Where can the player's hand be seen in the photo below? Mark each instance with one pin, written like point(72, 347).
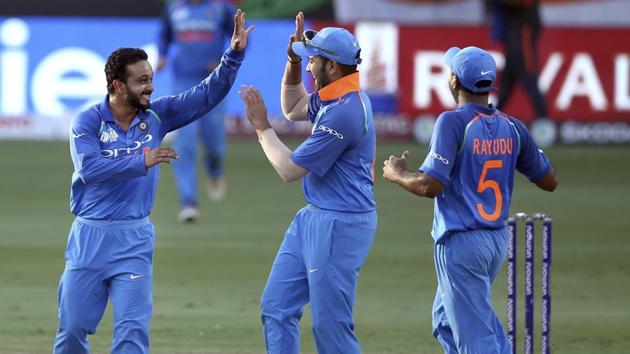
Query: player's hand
point(159, 155)
point(239, 36)
point(394, 166)
point(255, 107)
point(298, 36)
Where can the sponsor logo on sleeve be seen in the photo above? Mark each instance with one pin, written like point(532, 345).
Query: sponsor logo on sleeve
point(330, 131)
point(438, 157)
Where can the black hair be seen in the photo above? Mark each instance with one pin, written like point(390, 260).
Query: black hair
point(345, 69)
point(116, 66)
point(478, 84)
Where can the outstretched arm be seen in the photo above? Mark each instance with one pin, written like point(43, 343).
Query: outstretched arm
point(293, 96)
point(277, 153)
point(199, 100)
point(416, 182)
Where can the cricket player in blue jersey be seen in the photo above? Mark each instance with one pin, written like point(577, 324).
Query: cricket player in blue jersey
point(469, 170)
point(197, 32)
point(115, 149)
point(328, 240)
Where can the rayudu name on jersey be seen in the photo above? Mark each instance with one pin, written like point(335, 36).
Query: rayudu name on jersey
point(499, 146)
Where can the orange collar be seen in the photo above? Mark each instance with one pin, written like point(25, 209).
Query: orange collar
point(337, 89)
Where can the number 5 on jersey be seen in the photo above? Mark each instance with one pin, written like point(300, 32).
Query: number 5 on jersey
point(492, 184)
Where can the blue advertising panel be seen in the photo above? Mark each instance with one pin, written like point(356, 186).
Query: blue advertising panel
point(52, 67)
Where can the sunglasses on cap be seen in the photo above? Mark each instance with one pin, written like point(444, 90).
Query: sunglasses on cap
point(309, 34)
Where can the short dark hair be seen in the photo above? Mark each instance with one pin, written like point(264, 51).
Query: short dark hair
point(345, 69)
point(116, 66)
point(483, 83)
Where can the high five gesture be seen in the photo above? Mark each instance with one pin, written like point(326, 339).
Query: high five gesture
point(239, 37)
point(296, 37)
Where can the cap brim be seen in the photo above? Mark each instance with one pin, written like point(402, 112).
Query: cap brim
point(450, 54)
point(303, 50)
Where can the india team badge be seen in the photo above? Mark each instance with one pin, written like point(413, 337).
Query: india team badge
point(143, 126)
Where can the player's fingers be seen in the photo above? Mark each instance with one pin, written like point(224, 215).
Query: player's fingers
point(254, 97)
point(299, 25)
point(405, 154)
point(166, 151)
point(242, 19)
point(257, 95)
point(244, 93)
point(249, 29)
point(249, 94)
point(237, 17)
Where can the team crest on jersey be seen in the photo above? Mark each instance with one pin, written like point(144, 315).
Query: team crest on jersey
point(109, 136)
point(143, 126)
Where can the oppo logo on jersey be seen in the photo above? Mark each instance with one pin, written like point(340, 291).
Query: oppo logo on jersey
point(438, 157)
point(330, 131)
point(134, 149)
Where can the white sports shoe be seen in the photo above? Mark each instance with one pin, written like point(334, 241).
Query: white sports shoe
point(188, 215)
point(217, 188)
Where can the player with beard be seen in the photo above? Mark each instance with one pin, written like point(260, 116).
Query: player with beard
point(328, 240)
point(116, 152)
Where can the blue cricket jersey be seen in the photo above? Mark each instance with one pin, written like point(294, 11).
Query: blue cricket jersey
point(474, 152)
point(339, 153)
point(197, 32)
point(110, 180)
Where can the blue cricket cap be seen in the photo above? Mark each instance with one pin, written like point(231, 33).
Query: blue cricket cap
point(474, 67)
point(333, 43)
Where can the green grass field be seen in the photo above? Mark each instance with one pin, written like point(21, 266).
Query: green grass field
point(208, 276)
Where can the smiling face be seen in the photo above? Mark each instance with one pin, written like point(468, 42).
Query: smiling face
point(319, 67)
point(138, 87)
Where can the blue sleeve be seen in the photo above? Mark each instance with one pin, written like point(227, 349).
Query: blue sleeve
point(333, 133)
point(85, 151)
point(313, 107)
point(190, 105)
point(532, 161)
point(445, 143)
point(166, 33)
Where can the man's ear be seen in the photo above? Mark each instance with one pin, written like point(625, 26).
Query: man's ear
point(118, 85)
point(454, 82)
point(334, 67)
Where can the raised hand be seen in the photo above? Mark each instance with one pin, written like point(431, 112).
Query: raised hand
point(297, 36)
point(255, 107)
point(394, 166)
point(159, 155)
point(239, 36)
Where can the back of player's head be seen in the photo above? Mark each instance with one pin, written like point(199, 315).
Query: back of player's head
point(116, 66)
point(474, 67)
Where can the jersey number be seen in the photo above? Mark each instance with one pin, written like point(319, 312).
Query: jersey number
point(492, 184)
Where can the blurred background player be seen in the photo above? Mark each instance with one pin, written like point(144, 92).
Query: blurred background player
point(470, 172)
point(328, 240)
point(517, 26)
point(197, 32)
